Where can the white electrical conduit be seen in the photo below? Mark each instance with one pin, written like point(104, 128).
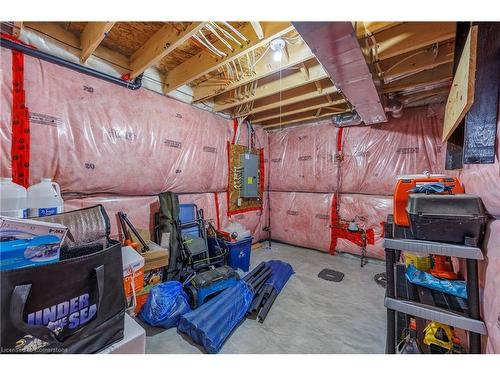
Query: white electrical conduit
point(235, 31)
point(206, 46)
point(213, 31)
point(223, 31)
point(210, 44)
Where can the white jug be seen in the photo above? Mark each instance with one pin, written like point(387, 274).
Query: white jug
point(12, 199)
point(44, 199)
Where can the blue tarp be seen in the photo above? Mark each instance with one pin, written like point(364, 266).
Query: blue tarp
point(165, 305)
point(456, 288)
point(212, 323)
point(281, 273)
point(431, 188)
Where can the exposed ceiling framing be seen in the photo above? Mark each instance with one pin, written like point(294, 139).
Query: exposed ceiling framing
point(230, 66)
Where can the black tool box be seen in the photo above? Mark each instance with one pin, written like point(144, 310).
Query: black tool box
point(457, 218)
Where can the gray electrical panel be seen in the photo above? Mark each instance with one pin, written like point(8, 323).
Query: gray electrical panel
point(250, 164)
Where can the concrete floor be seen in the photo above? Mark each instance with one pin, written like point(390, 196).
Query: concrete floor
point(310, 315)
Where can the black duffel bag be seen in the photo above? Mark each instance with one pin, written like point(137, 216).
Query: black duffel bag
point(72, 306)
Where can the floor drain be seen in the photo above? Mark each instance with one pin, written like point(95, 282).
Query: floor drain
point(331, 275)
point(380, 279)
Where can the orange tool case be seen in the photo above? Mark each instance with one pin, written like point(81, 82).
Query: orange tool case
point(401, 194)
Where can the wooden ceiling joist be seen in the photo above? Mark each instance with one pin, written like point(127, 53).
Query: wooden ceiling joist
point(416, 61)
point(302, 117)
point(410, 36)
point(297, 53)
point(204, 62)
point(92, 36)
point(163, 42)
point(317, 103)
point(366, 29)
point(287, 99)
point(415, 97)
point(225, 101)
point(71, 42)
point(439, 74)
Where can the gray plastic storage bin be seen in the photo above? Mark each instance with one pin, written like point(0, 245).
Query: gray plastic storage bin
point(447, 218)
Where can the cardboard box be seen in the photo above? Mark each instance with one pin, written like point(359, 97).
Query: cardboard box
point(155, 261)
point(27, 243)
point(133, 271)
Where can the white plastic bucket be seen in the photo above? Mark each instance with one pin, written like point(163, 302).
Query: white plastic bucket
point(44, 199)
point(12, 199)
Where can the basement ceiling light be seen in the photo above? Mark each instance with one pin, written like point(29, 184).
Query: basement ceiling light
point(277, 45)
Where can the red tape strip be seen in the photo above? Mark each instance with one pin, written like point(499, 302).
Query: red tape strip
point(20, 147)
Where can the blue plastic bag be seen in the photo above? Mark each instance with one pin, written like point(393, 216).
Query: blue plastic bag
point(456, 288)
point(212, 323)
point(165, 305)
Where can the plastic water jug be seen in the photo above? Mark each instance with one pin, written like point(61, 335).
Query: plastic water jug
point(13, 199)
point(44, 199)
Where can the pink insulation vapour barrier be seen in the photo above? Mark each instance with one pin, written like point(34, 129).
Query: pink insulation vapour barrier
point(304, 219)
point(374, 156)
point(5, 113)
point(301, 219)
point(255, 221)
point(303, 159)
point(91, 136)
point(369, 212)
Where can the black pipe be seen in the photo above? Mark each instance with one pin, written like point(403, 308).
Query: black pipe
point(261, 316)
point(132, 85)
point(390, 343)
point(473, 300)
point(261, 279)
point(257, 269)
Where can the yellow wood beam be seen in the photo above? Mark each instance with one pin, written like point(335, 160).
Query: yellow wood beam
point(320, 102)
point(17, 29)
point(72, 43)
point(204, 62)
point(462, 90)
point(364, 29)
point(428, 77)
point(163, 42)
point(306, 95)
point(298, 54)
point(303, 117)
point(225, 101)
point(411, 36)
point(91, 36)
point(408, 99)
point(416, 61)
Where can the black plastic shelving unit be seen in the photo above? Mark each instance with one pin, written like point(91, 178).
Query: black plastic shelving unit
point(471, 321)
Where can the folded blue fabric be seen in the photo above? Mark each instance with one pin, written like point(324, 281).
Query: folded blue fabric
point(431, 188)
point(456, 288)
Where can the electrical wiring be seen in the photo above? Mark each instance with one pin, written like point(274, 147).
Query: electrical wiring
point(218, 51)
point(240, 35)
point(213, 31)
point(223, 31)
point(197, 38)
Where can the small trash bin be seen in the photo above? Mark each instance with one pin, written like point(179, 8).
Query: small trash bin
point(239, 253)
